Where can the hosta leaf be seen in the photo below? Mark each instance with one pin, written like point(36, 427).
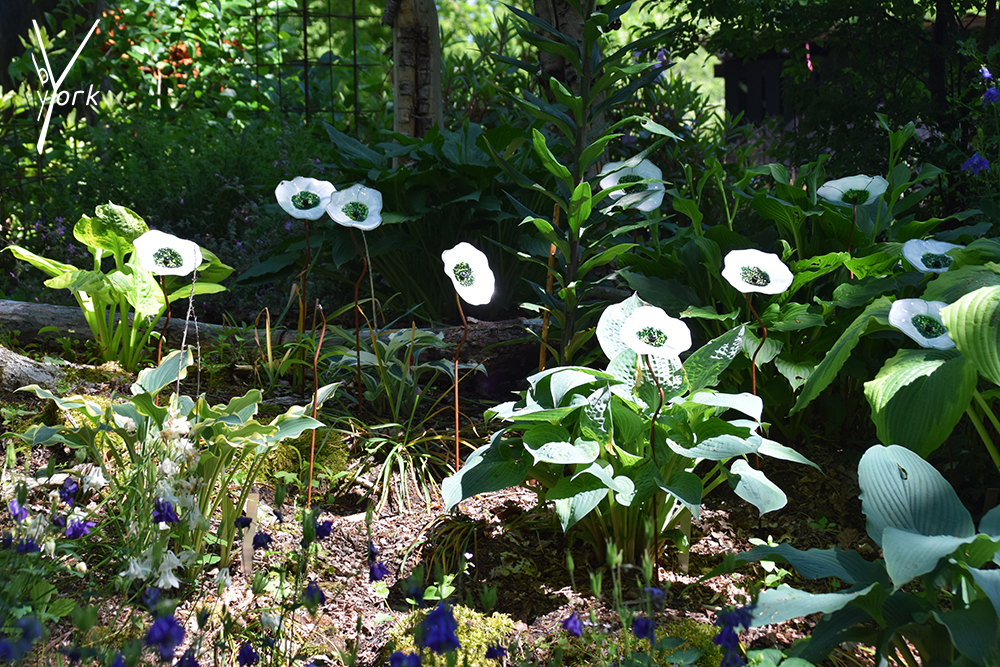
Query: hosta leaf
point(755, 488)
point(973, 322)
point(490, 468)
point(704, 366)
point(784, 603)
point(575, 498)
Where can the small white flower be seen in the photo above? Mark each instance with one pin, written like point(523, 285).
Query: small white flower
point(756, 271)
point(168, 468)
point(470, 272)
point(222, 579)
point(304, 198)
point(857, 190)
point(168, 564)
point(228, 92)
point(929, 256)
point(649, 330)
point(357, 206)
point(643, 196)
point(81, 567)
point(175, 427)
point(921, 321)
point(94, 479)
point(269, 620)
point(137, 569)
point(164, 254)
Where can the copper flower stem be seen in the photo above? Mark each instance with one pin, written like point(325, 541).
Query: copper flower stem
point(458, 350)
point(312, 446)
point(302, 300)
point(357, 320)
point(850, 235)
point(652, 445)
point(753, 359)
point(542, 355)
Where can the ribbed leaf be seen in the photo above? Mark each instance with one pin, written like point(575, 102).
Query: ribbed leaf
point(704, 366)
point(784, 603)
point(575, 498)
point(919, 396)
point(559, 451)
point(848, 566)
point(489, 468)
point(755, 488)
point(901, 490)
point(953, 285)
point(172, 367)
point(974, 631)
point(687, 488)
point(909, 555)
point(989, 581)
point(973, 322)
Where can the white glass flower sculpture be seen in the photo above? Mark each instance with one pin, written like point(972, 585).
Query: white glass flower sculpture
point(756, 271)
point(357, 206)
point(649, 330)
point(304, 198)
point(164, 254)
point(859, 190)
point(921, 321)
point(470, 272)
point(643, 196)
point(929, 256)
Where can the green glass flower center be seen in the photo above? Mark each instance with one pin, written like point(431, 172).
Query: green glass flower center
point(305, 200)
point(168, 258)
point(632, 189)
point(356, 211)
point(928, 327)
point(464, 274)
point(652, 336)
point(932, 261)
point(755, 276)
point(855, 197)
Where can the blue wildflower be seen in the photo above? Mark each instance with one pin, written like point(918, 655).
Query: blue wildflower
point(68, 491)
point(728, 640)
point(495, 651)
point(150, 598)
point(119, 661)
point(656, 596)
point(437, 631)
point(400, 659)
point(27, 546)
point(573, 625)
point(976, 164)
point(313, 595)
point(163, 512)
point(79, 529)
point(323, 529)
point(243, 522)
point(372, 552)
point(991, 95)
point(17, 512)
point(31, 628)
point(984, 73)
point(165, 635)
point(59, 521)
point(644, 628)
point(377, 571)
point(261, 540)
point(246, 655)
point(188, 660)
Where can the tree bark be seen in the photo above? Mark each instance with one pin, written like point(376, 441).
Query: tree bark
point(17, 371)
point(561, 15)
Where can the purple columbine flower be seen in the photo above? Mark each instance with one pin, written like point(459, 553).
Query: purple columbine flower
point(79, 529)
point(68, 491)
point(165, 635)
point(17, 512)
point(243, 522)
point(163, 511)
point(976, 164)
point(247, 656)
point(728, 640)
point(437, 630)
point(984, 73)
point(261, 540)
point(991, 95)
point(573, 625)
point(313, 595)
point(377, 571)
point(187, 660)
point(27, 546)
point(644, 628)
point(495, 651)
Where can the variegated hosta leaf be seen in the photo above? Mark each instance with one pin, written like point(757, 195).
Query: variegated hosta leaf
point(631, 370)
point(610, 325)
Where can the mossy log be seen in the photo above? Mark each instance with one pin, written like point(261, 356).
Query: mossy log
point(17, 371)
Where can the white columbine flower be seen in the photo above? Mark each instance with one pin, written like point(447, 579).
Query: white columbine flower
point(857, 190)
point(756, 271)
point(94, 479)
point(168, 564)
point(304, 198)
point(469, 270)
point(929, 256)
point(649, 330)
point(643, 196)
point(166, 255)
point(137, 569)
point(357, 206)
point(921, 321)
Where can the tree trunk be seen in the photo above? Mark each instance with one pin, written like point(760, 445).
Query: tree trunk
point(17, 371)
point(416, 54)
point(561, 15)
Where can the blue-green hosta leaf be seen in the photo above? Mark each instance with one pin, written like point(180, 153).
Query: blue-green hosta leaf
point(687, 488)
point(559, 451)
point(795, 372)
point(901, 490)
point(909, 555)
point(974, 631)
point(575, 497)
point(827, 369)
point(490, 468)
point(173, 367)
point(848, 566)
point(784, 603)
point(69, 403)
point(704, 366)
point(990, 523)
point(989, 581)
point(973, 322)
point(779, 451)
point(755, 488)
point(623, 487)
point(609, 325)
point(717, 448)
point(919, 397)
point(750, 405)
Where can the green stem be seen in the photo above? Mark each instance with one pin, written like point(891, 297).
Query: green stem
point(990, 447)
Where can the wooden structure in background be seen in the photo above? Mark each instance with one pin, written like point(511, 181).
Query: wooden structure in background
point(416, 54)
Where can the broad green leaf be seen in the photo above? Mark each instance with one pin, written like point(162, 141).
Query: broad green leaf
point(198, 289)
point(717, 448)
point(909, 555)
point(623, 487)
point(974, 631)
point(953, 285)
point(827, 369)
point(79, 281)
point(919, 397)
point(687, 488)
point(989, 581)
point(690, 209)
point(573, 102)
point(604, 257)
point(549, 160)
point(671, 295)
point(750, 405)
point(792, 317)
point(704, 366)
point(770, 348)
point(48, 266)
point(755, 488)
point(784, 603)
point(580, 206)
point(489, 468)
point(140, 289)
point(876, 264)
point(550, 444)
point(901, 490)
point(173, 367)
point(795, 372)
point(973, 322)
point(806, 271)
point(575, 498)
point(779, 451)
point(848, 566)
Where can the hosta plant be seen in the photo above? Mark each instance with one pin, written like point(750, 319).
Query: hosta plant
point(934, 593)
point(611, 451)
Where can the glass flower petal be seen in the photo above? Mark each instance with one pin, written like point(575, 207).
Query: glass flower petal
point(643, 196)
point(756, 271)
point(859, 190)
point(166, 255)
point(921, 321)
point(304, 198)
point(357, 206)
point(470, 272)
point(928, 256)
point(649, 330)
